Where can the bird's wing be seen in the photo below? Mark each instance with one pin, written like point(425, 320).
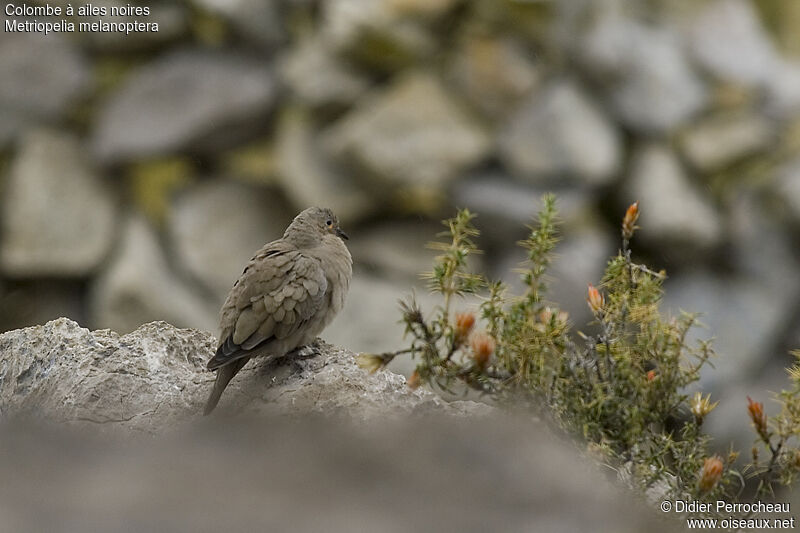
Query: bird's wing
point(279, 291)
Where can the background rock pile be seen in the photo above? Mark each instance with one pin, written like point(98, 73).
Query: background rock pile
point(140, 172)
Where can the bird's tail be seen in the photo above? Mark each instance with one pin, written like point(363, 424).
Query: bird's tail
point(224, 376)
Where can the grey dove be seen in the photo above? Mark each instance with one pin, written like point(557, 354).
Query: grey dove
point(289, 291)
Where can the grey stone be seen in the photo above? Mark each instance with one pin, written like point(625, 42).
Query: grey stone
point(784, 90)
point(651, 84)
point(138, 286)
point(729, 40)
point(395, 249)
point(307, 175)
point(578, 260)
point(503, 204)
point(154, 378)
point(317, 77)
point(787, 187)
point(31, 302)
point(259, 22)
point(313, 474)
point(673, 211)
point(357, 26)
point(369, 321)
point(743, 314)
point(39, 78)
point(410, 133)
point(721, 140)
point(728, 424)
point(172, 20)
point(57, 213)
point(217, 226)
point(494, 73)
point(181, 100)
point(560, 132)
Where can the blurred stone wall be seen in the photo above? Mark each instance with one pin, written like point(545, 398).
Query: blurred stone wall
point(140, 172)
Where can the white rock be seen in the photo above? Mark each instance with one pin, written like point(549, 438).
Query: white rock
point(494, 73)
point(729, 40)
point(410, 133)
point(180, 100)
point(308, 177)
point(138, 286)
point(787, 187)
point(316, 76)
point(651, 84)
point(672, 209)
point(154, 379)
point(721, 140)
point(560, 132)
point(217, 226)
point(58, 214)
point(41, 77)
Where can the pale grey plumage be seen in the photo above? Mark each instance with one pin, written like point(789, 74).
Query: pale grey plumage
point(285, 297)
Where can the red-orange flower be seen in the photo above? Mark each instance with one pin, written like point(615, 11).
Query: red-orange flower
point(414, 380)
point(629, 220)
point(711, 473)
point(595, 299)
point(483, 346)
point(756, 411)
point(464, 323)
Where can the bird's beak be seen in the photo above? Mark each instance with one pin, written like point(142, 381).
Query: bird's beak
point(342, 234)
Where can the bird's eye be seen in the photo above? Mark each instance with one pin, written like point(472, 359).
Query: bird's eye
point(329, 223)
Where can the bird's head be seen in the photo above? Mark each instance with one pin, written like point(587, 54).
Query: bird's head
point(313, 226)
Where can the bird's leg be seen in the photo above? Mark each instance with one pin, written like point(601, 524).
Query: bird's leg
point(303, 352)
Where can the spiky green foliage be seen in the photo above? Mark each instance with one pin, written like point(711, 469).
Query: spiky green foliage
point(619, 383)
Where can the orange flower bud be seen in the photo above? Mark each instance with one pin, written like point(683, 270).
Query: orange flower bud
point(414, 380)
point(756, 411)
point(483, 346)
point(629, 220)
point(595, 299)
point(711, 473)
point(464, 323)
point(651, 375)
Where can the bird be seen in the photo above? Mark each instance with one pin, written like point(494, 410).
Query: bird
point(287, 294)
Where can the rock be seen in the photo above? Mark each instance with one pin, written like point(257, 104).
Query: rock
point(369, 321)
point(30, 302)
point(316, 77)
point(217, 226)
point(259, 22)
point(651, 85)
point(787, 188)
point(558, 132)
point(154, 378)
point(494, 73)
point(182, 100)
point(137, 286)
point(743, 314)
point(308, 177)
point(41, 78)
point(172, 20)
point(505, 206)
point(410, 133)
point(578, 260)
point(721, 140)
point(784, 90)
point(672, 210)
point(57, 214)
point(387, 34)
point(396, 250)
point(729, 40)
point(285, 474)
